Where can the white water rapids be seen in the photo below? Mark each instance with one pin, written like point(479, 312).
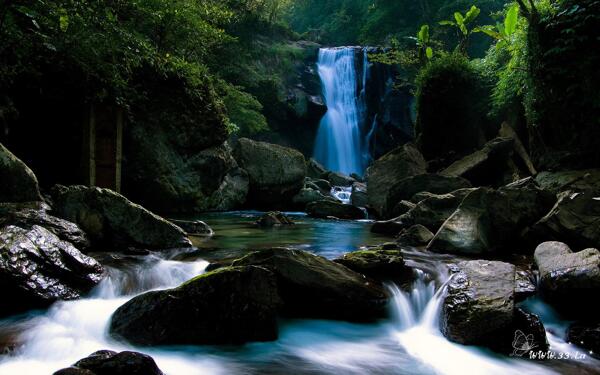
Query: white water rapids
point(408, 343)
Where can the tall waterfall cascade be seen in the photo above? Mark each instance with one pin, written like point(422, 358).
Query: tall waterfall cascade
point(339, 145)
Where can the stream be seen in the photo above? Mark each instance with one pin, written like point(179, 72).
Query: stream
point(408, 342)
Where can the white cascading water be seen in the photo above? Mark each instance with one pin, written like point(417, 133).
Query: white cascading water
point(339, 146)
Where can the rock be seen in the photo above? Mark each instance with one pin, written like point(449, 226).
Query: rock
point(524, 325)
point(357, 178)
point(388, 227)
point(26, 215)
point(488, 220)
point(434, 209)
point(403, 162)
point(567, 279)
point(274, 218)
point(507, 131)
point(306, 196)
point(175, 175)
point(19, 184)
point(377, 263)
point(576, 181)
point(406, 188)
point(231, 305)
point(402, 207)
point(525, 285)
point(276, 173)
point(585, 335)
point(315, 170)
point(323, 186)
point(359, 197)
point(193, 227)
point(482, 168)
point(340, 179)
point(417, 235)
point(326, 208)
point(314, 287)
point(37, 269)
point(108, 362)
point(112, 220)
point(479, 302)
point(574, 219)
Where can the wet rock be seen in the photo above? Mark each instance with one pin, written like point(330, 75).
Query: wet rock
point(585, 335)
point(276, 173)
point(574, 219)
point(576, 181)
point(483, 167)
point(488, 220)
point(26, 215)
point(108, 362)
point(326, 208)
point(567, 279)
point(340, 179)
point(314, 287)
point(37, 269)
point(525, 328)
point(417, 235)
point(479, 302)
point(322, 185)
point(388, 227)
point(273, 219)
point(306, 196)
point(359, 197)
point(378, 264)
point(19, 184)
point(403, 162)
point(111, 220)
point(357, 178)
point(525, 285)
point(406, 188)
point(193, 227)
point(315, 170)
point(434, 209)
point(402, 207)
point(231, 305)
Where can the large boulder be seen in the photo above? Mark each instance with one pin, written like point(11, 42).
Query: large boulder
point(19, 184)
point(108, 362)
point(273, 219)
point(231, 305)
point(406, 188)
point(340, 179)
point(276, 173)
point(111, 220)
point(489, 220)
point(574, 219)
point(404, 161)
point(359, 197)
point(574, 180)
point(417, 235)
point(568, 279)
point(479, 301)
point(485, 166)
point(379, 264)
point(306, 196)
point(326, 209)
point(314, 287)
point(315, 170)
point(28, 214)
point(37, 268)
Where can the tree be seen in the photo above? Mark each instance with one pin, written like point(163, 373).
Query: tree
point(461, 23)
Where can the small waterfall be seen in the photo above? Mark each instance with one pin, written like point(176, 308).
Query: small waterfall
point(339, 146)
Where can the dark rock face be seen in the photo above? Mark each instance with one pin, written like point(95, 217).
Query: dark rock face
point(488, 219)
point(484, 167)
point(406, 188)
point(574, 219)
point(359, 197)
point(417, 235)
point(107, 362)
point(567, 279)
point(26, 215)
point(276, 173)
point(340, 179)
point(112, 220)
point(307, 196)
point(403, 162)
point(314, 169)
point(325, 209)
point(576, 181)
point(273, 219)
point(37, 269)
point(231, 305)
point(585, 335)
point(378, 264)
point(314, 287)
point(479, 302)
point(19, 184)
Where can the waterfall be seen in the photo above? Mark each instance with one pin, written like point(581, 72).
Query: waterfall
point(339, 146)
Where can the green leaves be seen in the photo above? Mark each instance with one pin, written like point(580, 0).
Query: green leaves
point(510, 22)
point(429, 53)
point(423, 35)
point(502, 31)
point(63, 20)
point(471, 14)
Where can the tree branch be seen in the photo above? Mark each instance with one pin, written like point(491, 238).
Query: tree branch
point(524, 8)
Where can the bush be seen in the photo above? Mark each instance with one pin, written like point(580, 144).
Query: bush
point(451, 107)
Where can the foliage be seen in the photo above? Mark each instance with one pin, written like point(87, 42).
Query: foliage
point(462, 23)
